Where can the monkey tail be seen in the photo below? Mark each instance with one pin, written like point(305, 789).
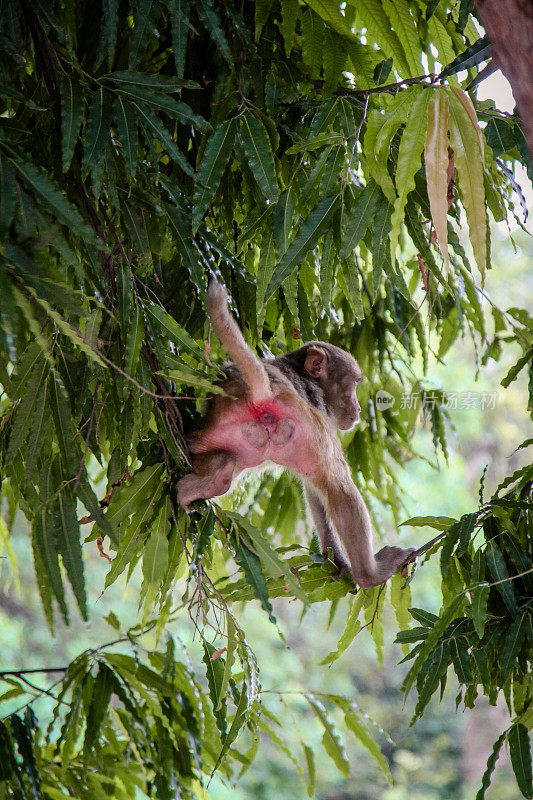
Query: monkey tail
point(227, 330)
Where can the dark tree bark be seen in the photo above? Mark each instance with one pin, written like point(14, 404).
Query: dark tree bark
point(509, 26)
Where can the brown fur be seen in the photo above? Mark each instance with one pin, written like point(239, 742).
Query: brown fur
point(286, 411)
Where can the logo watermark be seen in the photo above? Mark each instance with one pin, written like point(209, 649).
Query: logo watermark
point(451, 401)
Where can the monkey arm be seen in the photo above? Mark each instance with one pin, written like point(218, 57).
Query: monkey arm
point(347, 514)
point(328, 537)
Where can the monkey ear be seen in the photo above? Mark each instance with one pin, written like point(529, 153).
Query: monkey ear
point(316, 361)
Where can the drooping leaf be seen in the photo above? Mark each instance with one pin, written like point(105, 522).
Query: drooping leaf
point(43, 187)
point(520, 750)
point(353, 626)
point(307, 237)
point(259, 153)
point(357, 221)
point(72, 110)
point(436, 161)
point(127, 132)
point(409, 162)
point(331, 738)
point(468, 157)
point(211, 167)
point(68, 539)
point(251, 567)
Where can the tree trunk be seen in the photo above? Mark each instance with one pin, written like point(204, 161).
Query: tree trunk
point(509, 26)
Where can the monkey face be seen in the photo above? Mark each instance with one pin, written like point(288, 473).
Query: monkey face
point(350, 410)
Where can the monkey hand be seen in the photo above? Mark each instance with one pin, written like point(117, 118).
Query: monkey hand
point(388, 560)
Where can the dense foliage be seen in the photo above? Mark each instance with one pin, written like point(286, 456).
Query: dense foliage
point(322, 163)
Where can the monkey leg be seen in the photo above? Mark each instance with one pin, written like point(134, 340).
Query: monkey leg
point(212, 476)
point(328, 538)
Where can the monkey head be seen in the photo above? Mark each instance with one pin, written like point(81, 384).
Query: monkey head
point(337, 373)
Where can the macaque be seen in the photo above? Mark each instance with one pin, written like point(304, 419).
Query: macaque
point(286, 411)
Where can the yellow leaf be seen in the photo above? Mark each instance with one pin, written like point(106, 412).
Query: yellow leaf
point(436, 157)
point(469, 163)
point(465, 100)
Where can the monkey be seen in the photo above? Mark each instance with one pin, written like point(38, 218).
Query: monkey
point(286, 411)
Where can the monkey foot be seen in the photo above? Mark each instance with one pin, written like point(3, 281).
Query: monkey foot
point(216, 481)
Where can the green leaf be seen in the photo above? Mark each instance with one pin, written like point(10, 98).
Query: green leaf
point(211, 168)
point(323, 139)
point(7, 196)
point(131, 539)
point(400, 597)
point(102, 689)
point(68, 540)
point(491, 763)
point(127, 133)
point(179, 19)
point(513, 643)
point(331, 738)
point(520, 364)
point(258, 151)
point(23, 733)
point(70, 331)
point(352, 628)
point(98, 128)
point(251, 567)
point(265, 270)
point(108, 35)
point(290, 11)
point(409, 162)
point(170, 328)
point(461, 660)
point(45, 540)
point(348, 280)
point(330, 12)
point(72, 110)
point(26, 408)
point(268, 555)
point(500, 575)
point(311, 770)
point(439, 523)
point(231, 634)
point(468, 158)
point(434, 634)
point(145, 11)
point(215, 678)
point(312, 29)
point(520, 749)
point(155, 556)
point(354, 723)
point(133, 497)
point(480, 597)
point(54, 200)
point(307, 237)
point(163, 102)
point(152, 125)
point(403, 24)
point(358, 219)
point(134, 341)
point(380, 31)
point(147, 80)
point(212, 24)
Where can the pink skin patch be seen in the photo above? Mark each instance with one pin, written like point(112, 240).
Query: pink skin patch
point(265, 412)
